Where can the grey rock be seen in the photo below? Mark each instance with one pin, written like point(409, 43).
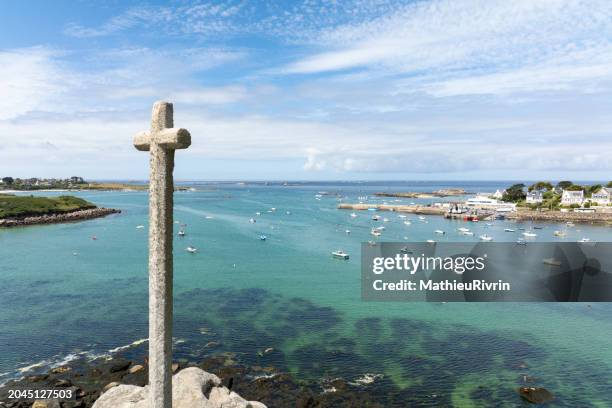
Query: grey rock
point(191, 388)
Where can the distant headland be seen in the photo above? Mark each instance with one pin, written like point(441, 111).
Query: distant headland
point(16, 211)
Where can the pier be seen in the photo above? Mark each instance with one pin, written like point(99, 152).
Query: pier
point(413, 209)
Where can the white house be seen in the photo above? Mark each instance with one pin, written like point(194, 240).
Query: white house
point(535, 196)
point(487, 203)
point(603, 196)
point(498, 194)
point(572, 197)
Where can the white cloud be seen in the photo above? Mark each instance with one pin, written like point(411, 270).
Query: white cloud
point(30, 80)
point(480, 46)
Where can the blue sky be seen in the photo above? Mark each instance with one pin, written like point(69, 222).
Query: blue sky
point(463, 89)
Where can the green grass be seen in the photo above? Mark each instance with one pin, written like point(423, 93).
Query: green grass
point(25, 206)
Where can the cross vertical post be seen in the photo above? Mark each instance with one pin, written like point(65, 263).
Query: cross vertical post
point(161, 141)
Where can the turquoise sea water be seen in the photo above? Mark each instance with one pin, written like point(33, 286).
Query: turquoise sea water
point(65, 295)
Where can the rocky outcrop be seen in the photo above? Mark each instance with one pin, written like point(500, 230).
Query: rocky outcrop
point(78, 215)
point(191, 388)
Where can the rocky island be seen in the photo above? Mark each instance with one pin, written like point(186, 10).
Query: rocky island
point(18, 211)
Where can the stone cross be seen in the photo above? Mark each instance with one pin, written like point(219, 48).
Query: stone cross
point(161, 141)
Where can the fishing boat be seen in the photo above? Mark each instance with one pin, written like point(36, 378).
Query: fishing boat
point(440, 232)
point(340, 254)
point(509, 230)
point(191, 250)
point(538, 227)
point(181, 233)
point(252, 220)
point(348, 231)
point(375, 232)
point(262, 237)
point(375, 217)
point(486, 237)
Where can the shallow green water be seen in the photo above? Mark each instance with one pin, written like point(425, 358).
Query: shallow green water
point(64, 293)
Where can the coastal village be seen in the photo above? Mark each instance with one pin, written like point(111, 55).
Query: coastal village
point(540, 201)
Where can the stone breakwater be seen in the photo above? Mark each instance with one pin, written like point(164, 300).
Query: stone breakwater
point(558, 216)
point(414, 209)
point(78, 215)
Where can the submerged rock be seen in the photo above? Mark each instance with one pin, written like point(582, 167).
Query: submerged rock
point(191, 388)
point(536, 395)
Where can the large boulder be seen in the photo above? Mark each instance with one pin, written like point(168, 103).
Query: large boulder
point(191, 388)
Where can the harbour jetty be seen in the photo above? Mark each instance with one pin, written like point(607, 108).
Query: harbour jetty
point(414, 209)
point(523, 214)
point(77, 215)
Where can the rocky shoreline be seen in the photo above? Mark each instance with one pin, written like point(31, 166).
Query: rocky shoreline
point(78, 215)
point(88, 380)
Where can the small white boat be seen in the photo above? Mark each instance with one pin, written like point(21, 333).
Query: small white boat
point(375, 217)
point(407, 223)
point(258, 213)
point(470, 233)
point(288, 213)
point(181, 233)
point(262, 237)
point(402, 216)
point(385, 220)
point(440, 232)
point(530, 234)
point(585, 240)
point(353, 215)
point(431, 241)
point(376, 233)
point(486, 237)
point(559, 233)
point(421, 218)
point(340, 254)
point(463, 229)
point(209, 217)
point(139, 226)
point(521, 241)
point(509, 230)
point(569, 224)
point(273, 209)
point(348, 231)
point(191, 250)
point(252, 220)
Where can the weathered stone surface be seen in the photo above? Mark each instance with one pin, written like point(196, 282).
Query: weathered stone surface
point(191, 388)
point(161, 141)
